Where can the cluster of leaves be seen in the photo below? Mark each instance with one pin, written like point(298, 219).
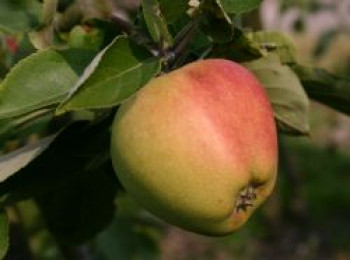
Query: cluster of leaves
point(73, 64)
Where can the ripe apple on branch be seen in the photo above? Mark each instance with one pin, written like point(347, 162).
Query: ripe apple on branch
point(198, 146)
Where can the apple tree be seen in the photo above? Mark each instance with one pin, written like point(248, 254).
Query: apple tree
point(66, 66)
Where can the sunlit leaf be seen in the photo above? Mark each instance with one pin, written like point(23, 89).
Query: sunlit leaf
point(42, 79)
point(116, 73)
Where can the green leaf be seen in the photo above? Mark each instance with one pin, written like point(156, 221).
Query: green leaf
point(287, 96)
point(186, 31)
point(40, 80)
point(239, 6)
point(275, 42)
point(115, 74)
point(156, 23)
point(326, 88)
point(18, 16)
point(173, 10)
point(200, 44)
point(4, 233)
point(215, 22)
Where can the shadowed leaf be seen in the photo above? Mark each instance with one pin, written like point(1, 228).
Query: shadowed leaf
point(326, 88)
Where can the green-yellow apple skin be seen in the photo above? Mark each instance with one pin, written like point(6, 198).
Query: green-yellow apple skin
point(191, 142)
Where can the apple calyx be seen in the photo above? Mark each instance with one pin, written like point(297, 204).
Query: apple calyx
point(245, 198)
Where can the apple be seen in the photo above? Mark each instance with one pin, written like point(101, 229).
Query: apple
point(197, 147)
